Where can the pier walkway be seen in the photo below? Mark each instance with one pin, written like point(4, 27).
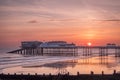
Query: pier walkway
point(68, 51)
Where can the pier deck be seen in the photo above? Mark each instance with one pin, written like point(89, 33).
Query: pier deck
point(67, 51)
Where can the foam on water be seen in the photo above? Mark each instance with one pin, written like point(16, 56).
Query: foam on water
point(10, 62)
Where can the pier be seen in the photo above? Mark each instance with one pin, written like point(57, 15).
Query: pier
point(56, 51)
point(62, 48)
point(68, 51)
point(102, 50)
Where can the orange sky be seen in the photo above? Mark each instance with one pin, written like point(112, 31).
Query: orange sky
point(78, 21)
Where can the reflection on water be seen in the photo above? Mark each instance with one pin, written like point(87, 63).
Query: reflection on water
point(96, 64)
point(54, 65)
point(102, 60)
point(62, 64)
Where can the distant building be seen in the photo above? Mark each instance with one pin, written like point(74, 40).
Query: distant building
point(57, 44)
point(30, 44)
point(111, 44)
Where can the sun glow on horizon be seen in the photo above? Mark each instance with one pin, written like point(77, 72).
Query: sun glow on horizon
point(89, 43)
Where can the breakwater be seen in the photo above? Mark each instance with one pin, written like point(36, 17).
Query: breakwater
point(91, 76)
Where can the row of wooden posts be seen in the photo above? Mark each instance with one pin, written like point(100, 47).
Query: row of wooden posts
point(78, 73)
point(61, 77)
point(48, 51)
point(103, 51)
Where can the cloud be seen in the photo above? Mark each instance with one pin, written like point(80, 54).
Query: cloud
point(111, 20)
point(33, 21)
point(65, 20)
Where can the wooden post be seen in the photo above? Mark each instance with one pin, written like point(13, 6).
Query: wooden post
point(28, 73)
point(21, 73)
point(49, 74)
point(102, 72)
point(35, 73)
point(114, 72)
point(68, 73)
point(42, 51)
point(78, 73)
point(92, 72)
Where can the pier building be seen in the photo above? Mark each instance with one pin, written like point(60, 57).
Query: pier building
point(52, 48)
point(30, 44)
point(62, 48)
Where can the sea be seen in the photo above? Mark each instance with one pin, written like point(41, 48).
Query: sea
point(16, 63)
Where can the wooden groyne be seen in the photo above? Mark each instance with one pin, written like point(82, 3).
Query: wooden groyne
point(79, 76)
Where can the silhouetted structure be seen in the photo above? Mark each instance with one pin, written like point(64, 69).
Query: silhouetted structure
point(30, 44)
point(79, 76)
point(54, 48)
point(62, 48)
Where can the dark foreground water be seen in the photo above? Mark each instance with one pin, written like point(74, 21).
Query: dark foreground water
point(13, 63)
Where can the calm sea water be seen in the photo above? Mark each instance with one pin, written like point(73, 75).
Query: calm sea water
point(14, 63)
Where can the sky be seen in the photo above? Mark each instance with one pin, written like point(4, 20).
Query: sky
point(77, 21)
